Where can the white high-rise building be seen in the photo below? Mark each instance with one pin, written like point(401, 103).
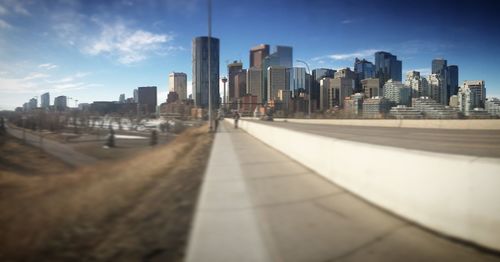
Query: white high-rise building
point(397, 93)
point(437, 88)
point(324, 85)
point(121, 99)
point(177, 82)
point(418, 84)
point(471, 95)
point(136, 96)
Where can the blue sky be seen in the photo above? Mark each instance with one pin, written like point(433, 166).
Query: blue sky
point(96, 50)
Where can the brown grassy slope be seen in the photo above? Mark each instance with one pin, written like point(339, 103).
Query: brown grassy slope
point(138, 209)
point(17, 158)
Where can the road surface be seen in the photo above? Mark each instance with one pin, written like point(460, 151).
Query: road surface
point(59, 150)
point(481, 143)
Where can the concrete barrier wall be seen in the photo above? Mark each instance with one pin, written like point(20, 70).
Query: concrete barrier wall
point(473, 124)
point(458, 196)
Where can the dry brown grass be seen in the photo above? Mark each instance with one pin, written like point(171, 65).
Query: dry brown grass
point(136, 209)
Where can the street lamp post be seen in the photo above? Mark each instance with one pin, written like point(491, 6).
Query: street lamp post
point(209, 63)
point(310, 83)
point(224, 81)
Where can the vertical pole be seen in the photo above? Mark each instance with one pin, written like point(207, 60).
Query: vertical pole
point(310, 86)
point(24, 129)
point(209, 64)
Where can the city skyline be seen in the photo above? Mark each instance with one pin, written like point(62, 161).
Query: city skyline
point(94, 52)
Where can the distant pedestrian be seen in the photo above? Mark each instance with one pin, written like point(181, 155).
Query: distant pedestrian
point(236, 118)
point(154, 138)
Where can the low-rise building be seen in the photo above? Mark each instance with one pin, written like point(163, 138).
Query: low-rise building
point(397, 93)
point(492, 106)
point(376, 107)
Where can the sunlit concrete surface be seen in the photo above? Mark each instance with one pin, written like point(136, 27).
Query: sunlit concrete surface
point(257, 204)
point(483, 143)
point(462, 124)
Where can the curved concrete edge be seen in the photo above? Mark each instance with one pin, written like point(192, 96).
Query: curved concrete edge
point(451, 194)
point(469, 124)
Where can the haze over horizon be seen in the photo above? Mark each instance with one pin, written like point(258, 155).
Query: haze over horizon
point(97, 50)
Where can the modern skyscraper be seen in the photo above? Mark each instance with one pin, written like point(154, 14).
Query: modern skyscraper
point(417, 83)
point(325, 83)
point(277, 80)
point(257, 55)
point(240, 84)
point(285, 55)
point(147, 99)
point(387, 66)
point(254, 82)
point(340, 88)
point(282, 57)
point(121, 99)
point(136, 96)
point(32, 104)
point(452, 80)
point(297, 77)
point(60, 103)
point(232, 70)
point(364, 69)
point(177, 82)
point(472, 95)
point(201, 73)
point(449, 74)
point(45, 100)
point(439, 66)
point(317, 75)
point(437, 88)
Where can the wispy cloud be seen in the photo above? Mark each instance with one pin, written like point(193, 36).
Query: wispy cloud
point(36, 82)
point(127, 45)
point(47, 66)
point(14, 7)
point(70, 78)
point(3, 11)
point(4, 24)
point(35, 75)
point(346, 21)
point(347, 56)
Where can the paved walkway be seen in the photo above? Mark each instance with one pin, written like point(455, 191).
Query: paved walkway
point(61, 151)
point(258, 205)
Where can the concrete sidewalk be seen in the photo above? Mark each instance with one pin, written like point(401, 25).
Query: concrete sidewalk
point(256, 204)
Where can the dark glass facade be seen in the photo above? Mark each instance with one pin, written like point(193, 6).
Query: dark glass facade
point(200, 71)
point(439, 66)
point(387, 66)
point(147, 99)
point(364, 69)
point(453, 80)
